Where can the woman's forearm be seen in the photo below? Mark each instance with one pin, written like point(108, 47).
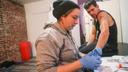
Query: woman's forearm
point(72, 67)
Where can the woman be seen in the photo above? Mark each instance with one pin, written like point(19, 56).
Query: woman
point(56, 51)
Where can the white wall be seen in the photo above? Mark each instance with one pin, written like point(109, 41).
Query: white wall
point(88, 23)
point(124, 19)
point(36, 17)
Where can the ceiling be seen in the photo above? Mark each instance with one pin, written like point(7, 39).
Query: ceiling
point(24, 1)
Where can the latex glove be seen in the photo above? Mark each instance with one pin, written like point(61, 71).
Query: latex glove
point(90, 62)
point(96, 52)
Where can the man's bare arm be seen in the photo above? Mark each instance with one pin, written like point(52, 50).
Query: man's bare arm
point(104, 27)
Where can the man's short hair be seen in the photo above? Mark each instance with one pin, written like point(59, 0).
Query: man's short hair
point(88, 3)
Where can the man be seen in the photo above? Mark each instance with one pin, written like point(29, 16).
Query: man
point(104, 30)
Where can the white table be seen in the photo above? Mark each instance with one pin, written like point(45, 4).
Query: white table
point(114, 64)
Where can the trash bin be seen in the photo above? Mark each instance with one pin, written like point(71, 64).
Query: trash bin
point(25, 50)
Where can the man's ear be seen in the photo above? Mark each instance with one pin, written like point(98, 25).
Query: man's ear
point(97, 6)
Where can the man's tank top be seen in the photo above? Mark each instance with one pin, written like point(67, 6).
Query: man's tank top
point(111, 45)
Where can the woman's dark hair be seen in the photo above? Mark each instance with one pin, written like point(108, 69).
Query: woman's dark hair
point(62, 7)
